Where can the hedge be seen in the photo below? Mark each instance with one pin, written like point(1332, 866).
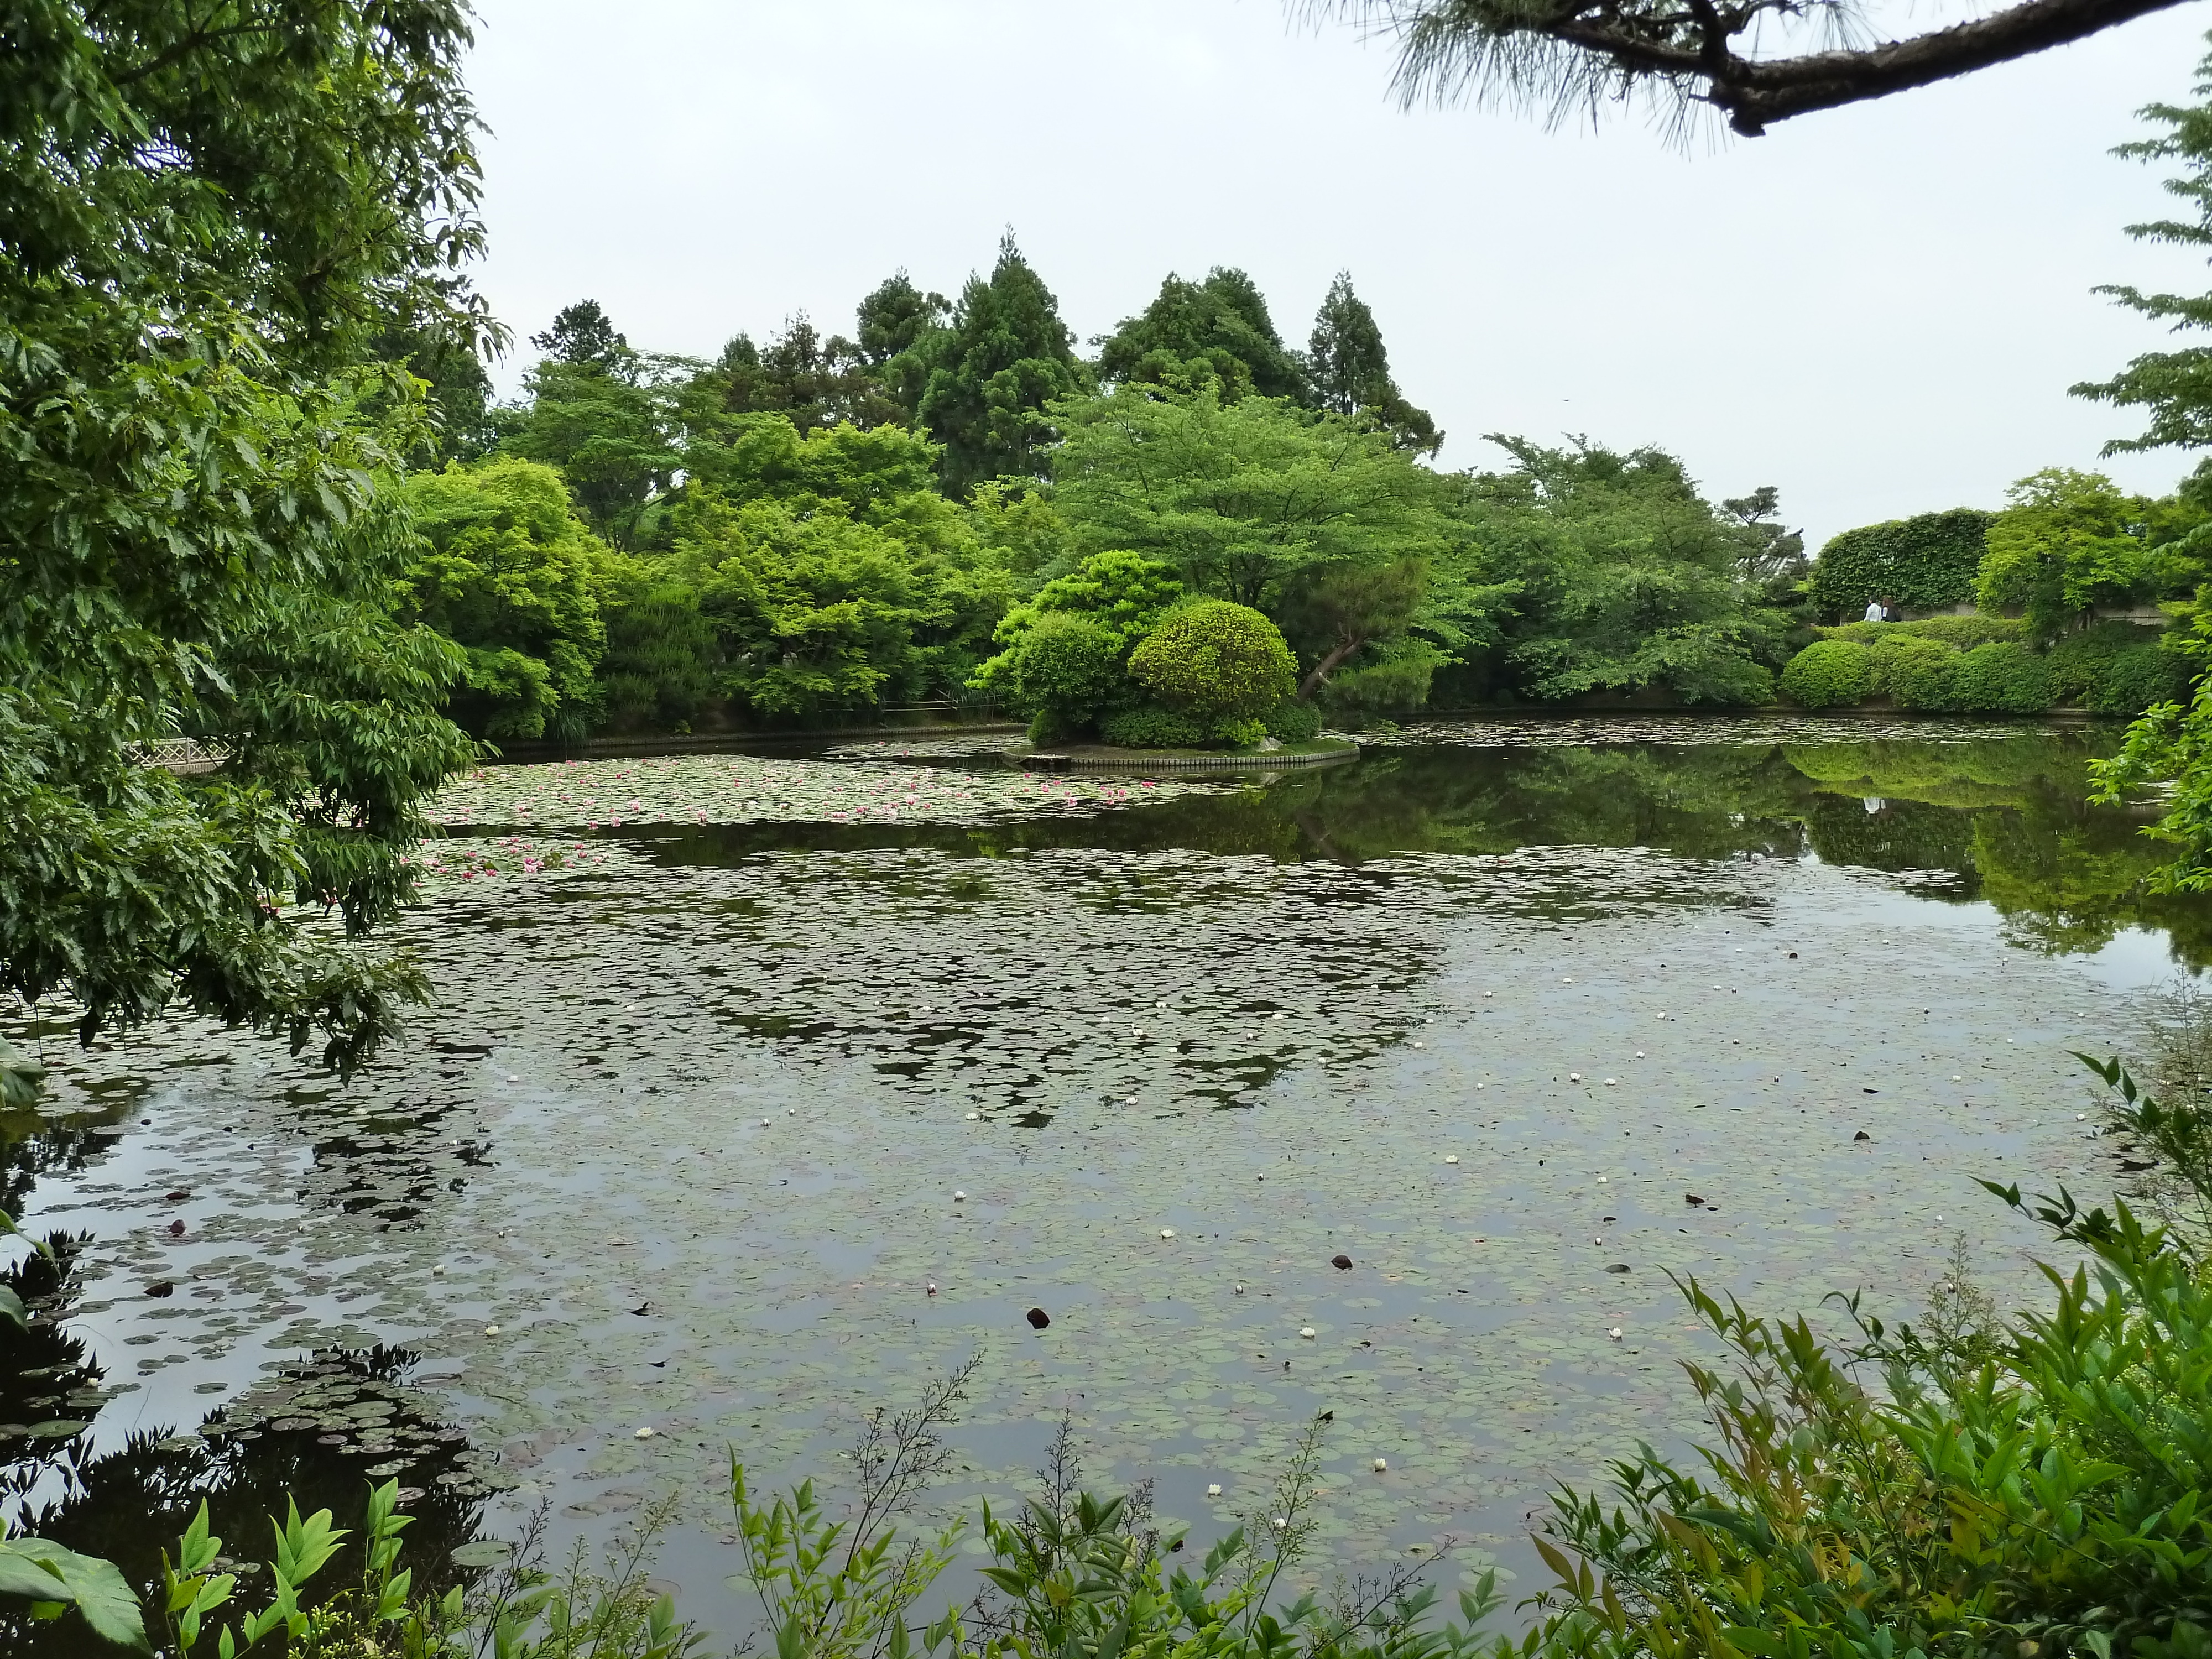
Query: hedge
point(2135, 679)
point(1828, 673)
point(2001, 678)
point(1964, 632)
point(1293, 722)
point(1912, 672)
point(1926, 562)
point(1154, 728)
point(2111, 669)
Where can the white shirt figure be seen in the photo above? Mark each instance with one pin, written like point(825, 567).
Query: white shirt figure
point(1873, 610)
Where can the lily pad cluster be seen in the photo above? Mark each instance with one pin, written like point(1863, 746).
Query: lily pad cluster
point(747, 788)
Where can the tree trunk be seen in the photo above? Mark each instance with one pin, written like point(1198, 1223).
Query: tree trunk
point(1328, 666)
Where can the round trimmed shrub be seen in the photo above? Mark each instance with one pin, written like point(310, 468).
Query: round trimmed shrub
point(2001, 678)
point(1216, 660)
point(1154, 728)
point(1828, 673)
point(1067, 669)
point(1915, 673)
point(1293, 722)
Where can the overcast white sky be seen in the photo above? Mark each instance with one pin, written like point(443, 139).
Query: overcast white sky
point(1878, 309)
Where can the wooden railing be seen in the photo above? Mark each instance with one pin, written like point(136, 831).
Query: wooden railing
point(183, 754)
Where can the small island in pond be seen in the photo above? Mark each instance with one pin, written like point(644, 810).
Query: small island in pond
point(1124, 668)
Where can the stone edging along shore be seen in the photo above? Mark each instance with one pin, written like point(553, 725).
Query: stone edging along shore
point(1099, 758)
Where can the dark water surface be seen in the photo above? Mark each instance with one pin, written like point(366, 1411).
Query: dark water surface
point(680, 1148)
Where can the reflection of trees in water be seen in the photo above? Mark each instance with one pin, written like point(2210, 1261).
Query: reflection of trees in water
point(2011, 816)
point(320, 1431)
point(1904, 835)
point(2006, 817)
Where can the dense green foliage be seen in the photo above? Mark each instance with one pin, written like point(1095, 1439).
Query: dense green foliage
point(936, 478)
point(1214, 660)
point(1219, 328)
point(2066, 541)
point(2002, 677)
point(1112, 651)
point(1828, 673)
point(2173, 387)
point(508, 573)
point(1922, 563)
point(991, 375)
point(1625, 578)
point(207, 218)
point(1964, 632)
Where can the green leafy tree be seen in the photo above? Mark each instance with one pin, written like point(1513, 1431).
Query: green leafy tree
point(206, 214)
point(1769, 551)
point(615, 429)
point(755, 457)
point(1243, 499)
point(1351, 370)
point(662, 659)
point(2066, 541)
point(1218, 327)
point(899, 326)
point(1628, 579)
point(822, 608)
point(1216, 660)
point(812, 381)
point(508, 573)
point(1066, 648)
point(583, 336)
point(1335, 611)
point(1005, 356)
point(2174, 388)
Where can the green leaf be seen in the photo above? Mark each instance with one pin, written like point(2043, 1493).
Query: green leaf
point(98, 1588)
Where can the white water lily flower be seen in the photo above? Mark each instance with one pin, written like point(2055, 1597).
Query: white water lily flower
point(1614, 1332)
point(1214, 1491)
point(959, 1198)
point(491, 1330)
point(1451, 1157)
point(1307, 1331)
point(1380, 1465)
point(644, 1433)
point(1167, 1232)
point(1613, 1083)
point(1574, 1077)
point(1281, 1522)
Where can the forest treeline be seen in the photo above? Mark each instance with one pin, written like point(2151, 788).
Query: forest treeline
point(809, 528)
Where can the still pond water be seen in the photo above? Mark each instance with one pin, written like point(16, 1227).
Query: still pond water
point(737, 1056)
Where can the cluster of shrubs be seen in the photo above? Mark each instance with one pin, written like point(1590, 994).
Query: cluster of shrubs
point(1118, 652)
point(1983, 665)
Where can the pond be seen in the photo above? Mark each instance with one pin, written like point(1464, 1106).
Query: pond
point(764, 1087)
